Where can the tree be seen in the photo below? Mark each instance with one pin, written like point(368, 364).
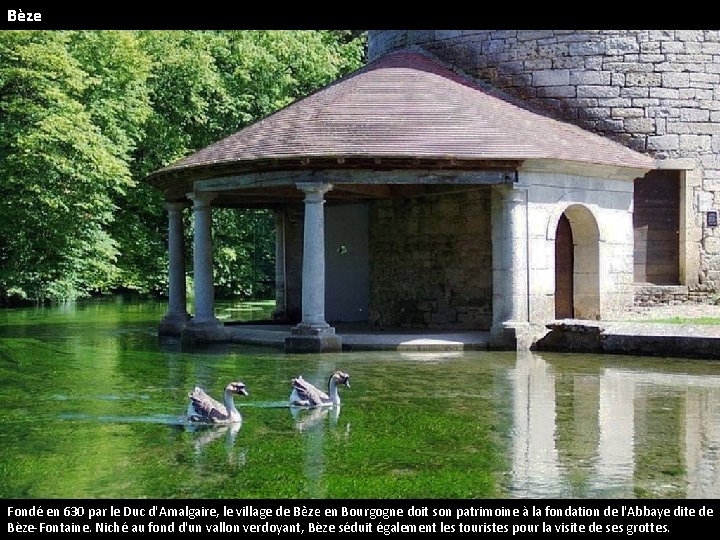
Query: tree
point(62, 166)
point(203, 87)
point(85, 115)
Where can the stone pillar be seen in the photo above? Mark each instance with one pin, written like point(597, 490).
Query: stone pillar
point(280, 269)
point(313, 334)
point(204, 287)
point(313, 272)
point(177, 315)
point(510, 267)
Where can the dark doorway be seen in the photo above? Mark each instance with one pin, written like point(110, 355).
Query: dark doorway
point(656, 226)
point(564, 265)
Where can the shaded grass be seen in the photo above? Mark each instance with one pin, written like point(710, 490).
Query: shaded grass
point(685, 320)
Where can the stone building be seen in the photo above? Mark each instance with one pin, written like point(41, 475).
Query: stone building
point(655, 91)
point(459, 181)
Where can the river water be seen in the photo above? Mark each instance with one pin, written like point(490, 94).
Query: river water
point(92, 405)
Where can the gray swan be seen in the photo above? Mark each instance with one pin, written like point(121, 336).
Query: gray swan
point(204, 408)
point(305, 394)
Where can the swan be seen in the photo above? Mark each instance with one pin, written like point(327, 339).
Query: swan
point(204, 408)
point(305, 394)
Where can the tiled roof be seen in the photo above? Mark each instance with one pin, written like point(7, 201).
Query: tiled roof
point(405, 105)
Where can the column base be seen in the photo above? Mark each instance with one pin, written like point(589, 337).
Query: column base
point(511, 336)
point(311, 339)
point(204, 331)
point(173, 324)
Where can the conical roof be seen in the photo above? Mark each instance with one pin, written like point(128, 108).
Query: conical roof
point(405, 105)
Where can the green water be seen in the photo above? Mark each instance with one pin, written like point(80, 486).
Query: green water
point(92, 405)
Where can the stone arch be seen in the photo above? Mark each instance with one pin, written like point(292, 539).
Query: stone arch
point(585, 234)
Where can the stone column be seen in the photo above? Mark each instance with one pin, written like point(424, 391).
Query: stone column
point(313, 334)
point(280, 269)
point(204, 301)
point(510, 266)
point(177, 315)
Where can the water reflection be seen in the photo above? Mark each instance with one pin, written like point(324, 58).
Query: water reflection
point(311, 419)
point(316, 418)
point(458, 424)
point(312, 423)
point(622, 433)
point(208, 434)
point(535, 461)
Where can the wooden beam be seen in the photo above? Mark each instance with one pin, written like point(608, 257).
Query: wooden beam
point(348, 177)
point(377, 191)
point(167, 179)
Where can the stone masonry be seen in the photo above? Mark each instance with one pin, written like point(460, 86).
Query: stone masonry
point(656, 91)
point(431, 261)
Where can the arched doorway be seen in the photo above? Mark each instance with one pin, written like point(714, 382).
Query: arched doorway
point(577, 264)
point(564, 256)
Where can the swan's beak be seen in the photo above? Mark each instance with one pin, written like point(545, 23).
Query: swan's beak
point(242, 390)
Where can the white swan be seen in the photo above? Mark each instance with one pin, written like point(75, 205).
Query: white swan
point(203, 408)
point(305, 394)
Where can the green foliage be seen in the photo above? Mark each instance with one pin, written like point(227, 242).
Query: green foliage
point(246, 250)
point(85, 115)
point(203, 87)
point(59, 172)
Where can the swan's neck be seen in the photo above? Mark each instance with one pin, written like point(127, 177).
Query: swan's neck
point(333, 392)
point(233, 413)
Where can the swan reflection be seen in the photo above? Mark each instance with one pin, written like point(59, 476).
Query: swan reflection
point(206, 434)
point(308, 419)
point(311, 419)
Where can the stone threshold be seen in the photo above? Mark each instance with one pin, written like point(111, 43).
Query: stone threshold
point(632, 338)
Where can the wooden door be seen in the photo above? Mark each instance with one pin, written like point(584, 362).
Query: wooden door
point(656, 224)
point(564, 263)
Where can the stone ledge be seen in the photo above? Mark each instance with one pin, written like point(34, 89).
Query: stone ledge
point(662, 345)
point(571, 337)
point(313, 343)
point(642, 339)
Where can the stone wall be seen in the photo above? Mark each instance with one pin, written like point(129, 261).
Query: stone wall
point(656, 295)
point(600, 214)
point(657, 91)
point(431, 261)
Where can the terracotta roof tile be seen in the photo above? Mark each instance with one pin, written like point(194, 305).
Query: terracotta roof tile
point(408, 105)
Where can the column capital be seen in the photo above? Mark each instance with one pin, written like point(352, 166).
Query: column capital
point(314, 191)
point(175, 205)
point(201, 199)
point(512, 193)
